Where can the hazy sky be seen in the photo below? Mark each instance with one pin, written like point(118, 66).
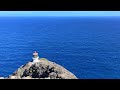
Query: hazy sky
point(59, 13)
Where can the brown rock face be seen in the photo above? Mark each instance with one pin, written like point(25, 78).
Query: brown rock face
point(43, 69)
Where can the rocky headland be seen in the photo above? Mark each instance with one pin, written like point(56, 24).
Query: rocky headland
point(43, 69)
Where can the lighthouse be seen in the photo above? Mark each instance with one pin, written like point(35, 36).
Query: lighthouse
point(35, 57)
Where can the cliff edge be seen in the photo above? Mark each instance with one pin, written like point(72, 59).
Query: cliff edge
point(44, 69)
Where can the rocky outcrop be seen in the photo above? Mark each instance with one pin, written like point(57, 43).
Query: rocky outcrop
point(44, 69)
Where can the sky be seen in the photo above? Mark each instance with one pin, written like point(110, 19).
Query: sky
point(59, 13)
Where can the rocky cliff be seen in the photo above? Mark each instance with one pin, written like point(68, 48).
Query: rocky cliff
point(44, 69)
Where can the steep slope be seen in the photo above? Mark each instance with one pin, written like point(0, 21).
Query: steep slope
point(44, 69)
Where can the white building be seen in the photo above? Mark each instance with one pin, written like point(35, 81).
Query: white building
point(35, 57)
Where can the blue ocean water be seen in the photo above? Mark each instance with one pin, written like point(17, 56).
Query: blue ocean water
point(89, 47)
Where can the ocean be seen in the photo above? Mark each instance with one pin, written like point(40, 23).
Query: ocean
point(89, 47)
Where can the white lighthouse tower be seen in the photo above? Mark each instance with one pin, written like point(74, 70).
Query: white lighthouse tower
point(35, 57)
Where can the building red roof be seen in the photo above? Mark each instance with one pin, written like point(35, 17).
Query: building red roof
point(35, 53)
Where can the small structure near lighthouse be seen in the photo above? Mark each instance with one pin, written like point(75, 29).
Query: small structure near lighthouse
point(35, 57)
